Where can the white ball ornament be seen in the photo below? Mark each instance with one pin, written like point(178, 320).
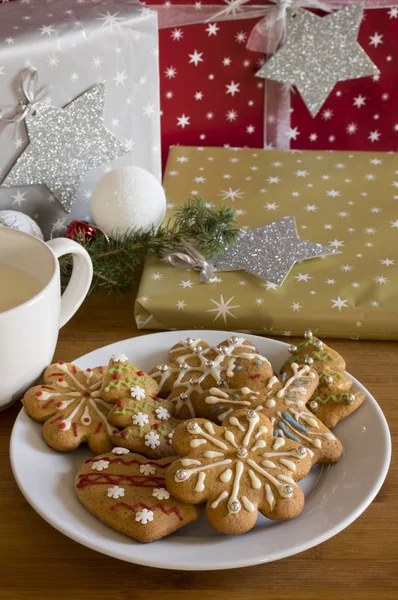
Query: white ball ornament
point(18, 220)
point(128, 198)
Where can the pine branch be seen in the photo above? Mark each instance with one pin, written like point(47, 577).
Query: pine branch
point(115, 261)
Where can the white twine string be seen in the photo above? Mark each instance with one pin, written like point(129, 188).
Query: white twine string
point(192, 259)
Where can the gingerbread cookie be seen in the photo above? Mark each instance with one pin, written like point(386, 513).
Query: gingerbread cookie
point(237, 470)
point(334, 399)
point(217, 402)
point(69, 405)
point(128, 493)
point(198, 367)
point(124, 379)
point(148, 426)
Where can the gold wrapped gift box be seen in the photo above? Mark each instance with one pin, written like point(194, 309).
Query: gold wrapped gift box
point(345, 200)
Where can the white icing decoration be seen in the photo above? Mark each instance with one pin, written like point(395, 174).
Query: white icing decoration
point(226, 476)
point(235, 488)
point(100, 465)
point(161, 493)
point(214, 400)
point(120, 450)
point(101, 415)
point(229, 436)
point(234, 421)
point(269, 496)
point(63, 367)
point(279, 442)
point(62, 383)
point(137, 392)
point(252, 423)
point(256, 483)
point(217, 392)
point(162, 413)
point(252, 356)
point(147, 469)
point(152, 440)
point(200, 486)
point(144, 516)
point(261, 430)
point(119, 358)
point(85, 419)
point(273, 380)
point(186, 462)
point(297, 373)
point(288, 463)
point(220, 498)
point(270, 403)
point(115, 492)
point(68, 420)
point(269, 464)
point(287, 479)
point(140, 419)
point(258, 444)
point(209, 427)
point(196, 443)
point(211, 454)
point(212, 439)
point(222, 416)
point(249, 506)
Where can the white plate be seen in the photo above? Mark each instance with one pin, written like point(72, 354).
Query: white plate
point(335, 495)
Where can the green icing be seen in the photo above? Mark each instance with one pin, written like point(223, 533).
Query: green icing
point(135, 408)
point(315, 356)
point(120, 369)
point(333, 398)
point(309, 342)
point(335, 374)
point(128, 383)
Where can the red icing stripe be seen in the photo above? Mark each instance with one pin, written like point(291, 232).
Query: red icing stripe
point(87, 479)
point(128, 462)
point(57, 419)
point(98, 427)
point(47, 387)
point(256, 376)
point(57, 375)
point(166, 511)
point(74, 427)
point(47, 404)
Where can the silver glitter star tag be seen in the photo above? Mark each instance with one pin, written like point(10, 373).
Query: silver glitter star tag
point(269, 251)
point(318, 53)
point(64, 144)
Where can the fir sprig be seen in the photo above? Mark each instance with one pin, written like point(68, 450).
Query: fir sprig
point(116, 260)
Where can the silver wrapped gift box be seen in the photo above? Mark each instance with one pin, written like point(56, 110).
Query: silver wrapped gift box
point(73, 46)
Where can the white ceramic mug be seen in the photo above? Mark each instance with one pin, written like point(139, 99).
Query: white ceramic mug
point(29, 331)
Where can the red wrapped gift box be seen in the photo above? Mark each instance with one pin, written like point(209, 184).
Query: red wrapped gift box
point(211, 97)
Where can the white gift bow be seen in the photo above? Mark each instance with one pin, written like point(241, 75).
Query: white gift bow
point(192, 259)
point(25, 106)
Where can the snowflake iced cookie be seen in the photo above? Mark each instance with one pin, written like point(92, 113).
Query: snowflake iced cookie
point(197, 367)
point(148, 426)
point(217, 402)
point(333, 400)
point(69, 405)
point(237, 470)
point(125, 380)
point(129, 494)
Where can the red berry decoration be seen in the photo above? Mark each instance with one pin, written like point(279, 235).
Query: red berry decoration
point(81, 231)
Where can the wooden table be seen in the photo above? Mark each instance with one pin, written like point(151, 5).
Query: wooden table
point(39, 563)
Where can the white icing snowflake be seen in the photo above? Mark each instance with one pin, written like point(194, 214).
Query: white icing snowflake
point(170, 436)
point(119, 358)
point(100, 465)
point(161, 493)
point(120, 450)
point(115, 492)
point(140, 419)
point(144, 516)
point(147, 469)
point(162, 413)
point(152, 440)
point(137, 392)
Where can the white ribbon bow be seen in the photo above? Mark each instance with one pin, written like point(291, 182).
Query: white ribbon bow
point(17, 114)
point(192, 259)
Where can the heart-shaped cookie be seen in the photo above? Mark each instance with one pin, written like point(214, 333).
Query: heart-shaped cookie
point(127, 492)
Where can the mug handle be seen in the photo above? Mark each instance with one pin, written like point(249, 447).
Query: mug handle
point(81, 277)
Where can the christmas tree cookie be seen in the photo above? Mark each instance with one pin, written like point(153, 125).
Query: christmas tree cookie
point(195, 367)
point(334, 399)
point(122, 377)
point(69, 405)
point(148, 425)
point(128, 493)
point(237, 470)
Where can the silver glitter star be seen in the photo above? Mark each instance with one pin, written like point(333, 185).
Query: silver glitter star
point(64, 144)
point(318, 53)
point(269, 251)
